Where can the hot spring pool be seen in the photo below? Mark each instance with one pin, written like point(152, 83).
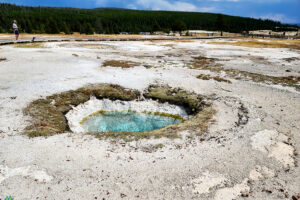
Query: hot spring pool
point(128, 121)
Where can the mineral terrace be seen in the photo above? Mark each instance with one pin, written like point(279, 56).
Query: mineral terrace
point(240, 140)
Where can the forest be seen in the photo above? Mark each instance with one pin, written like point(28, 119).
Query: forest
point(113, 21)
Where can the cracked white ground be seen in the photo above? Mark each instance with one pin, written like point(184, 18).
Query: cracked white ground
point(255, 159)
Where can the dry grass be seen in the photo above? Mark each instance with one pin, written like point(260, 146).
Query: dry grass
point(199, 34)
point(174, 54)
point(97, 46)
point(216, 78)
point(192, 102)
point(120, 63)
point(158, 41)
point(290, 81)
point(220, 79)
point(267, 43)
point(209, 64)
point(183, 40)
point(215, 34)
point(204, 77)
point(47, 120)
point(30, 45)
point(205, 63)
point(166, 45)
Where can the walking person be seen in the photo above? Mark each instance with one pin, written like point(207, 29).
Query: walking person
point(16, 29)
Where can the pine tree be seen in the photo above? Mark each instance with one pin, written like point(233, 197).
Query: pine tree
point(66, 29)
point(55, 28)
point(220, 23)
point(28, 27)
point(89, 30)
point(116, 29)
point(156, 26)
point(42, 28)
point(98, 26)
point(51, 26)
point(168, 31)
point(179, 25)
point(48, 26)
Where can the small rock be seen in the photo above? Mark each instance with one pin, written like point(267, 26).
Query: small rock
point(123, 195)
point(296, 197)
point(267, 191)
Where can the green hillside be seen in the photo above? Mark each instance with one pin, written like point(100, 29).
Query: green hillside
point(108, 21)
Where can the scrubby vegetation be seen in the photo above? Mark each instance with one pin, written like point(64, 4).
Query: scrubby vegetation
point(271, 43)
point(31, 45)
point(109, 21)
point(49, 114)
point(120, 63)
point(96, 46)
point(210, 64)
point(216, 78)
point(191, 102)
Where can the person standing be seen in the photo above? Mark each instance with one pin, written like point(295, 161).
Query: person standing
point(16, 29)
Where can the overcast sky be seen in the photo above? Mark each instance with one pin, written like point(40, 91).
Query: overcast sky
point(287, 11)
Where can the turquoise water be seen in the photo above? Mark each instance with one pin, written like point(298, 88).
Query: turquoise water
point(127, 121)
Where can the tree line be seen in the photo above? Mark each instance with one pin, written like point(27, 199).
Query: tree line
point(113, 21)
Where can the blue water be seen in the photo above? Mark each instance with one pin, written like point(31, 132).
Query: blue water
point(127, 121)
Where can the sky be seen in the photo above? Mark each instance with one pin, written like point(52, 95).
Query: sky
point(286, 11)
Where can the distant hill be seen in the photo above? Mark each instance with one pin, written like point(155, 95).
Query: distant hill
point(115, 20)
point(108, 8)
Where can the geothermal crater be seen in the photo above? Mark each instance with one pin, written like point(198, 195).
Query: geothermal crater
point(104, 109)
point(118, 116)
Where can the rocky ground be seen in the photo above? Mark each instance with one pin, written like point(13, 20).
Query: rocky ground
point(249, 152)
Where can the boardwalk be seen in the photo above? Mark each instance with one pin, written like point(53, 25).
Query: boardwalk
point(29, 38)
